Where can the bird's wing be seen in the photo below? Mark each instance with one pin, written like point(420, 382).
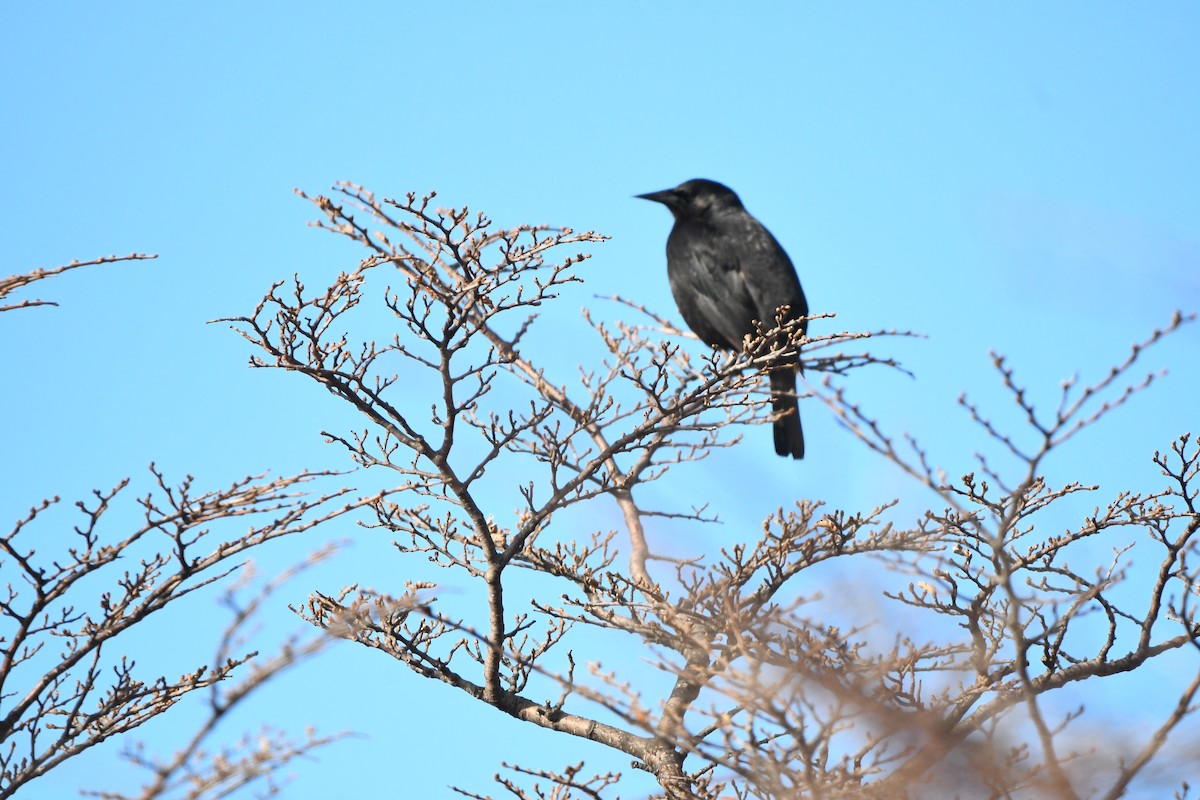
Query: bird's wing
point(709, 283)
point(766, 270)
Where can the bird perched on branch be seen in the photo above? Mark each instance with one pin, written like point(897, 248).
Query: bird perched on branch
point(728, 272)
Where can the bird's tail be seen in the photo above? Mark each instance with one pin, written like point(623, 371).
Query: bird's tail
point(789, 435)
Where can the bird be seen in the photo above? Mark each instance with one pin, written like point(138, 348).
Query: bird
point(727, 272)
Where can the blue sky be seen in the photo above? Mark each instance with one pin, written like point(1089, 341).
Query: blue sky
point(1014, 177)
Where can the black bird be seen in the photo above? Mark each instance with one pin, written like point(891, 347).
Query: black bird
point(727, 272)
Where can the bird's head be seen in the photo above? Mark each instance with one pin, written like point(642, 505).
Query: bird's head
point(698, 197)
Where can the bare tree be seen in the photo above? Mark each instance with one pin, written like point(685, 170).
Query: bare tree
point(1004, 629)
point(73, 592)
point(767, 699)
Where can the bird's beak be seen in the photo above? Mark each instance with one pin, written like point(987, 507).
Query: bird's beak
point(664, 197)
